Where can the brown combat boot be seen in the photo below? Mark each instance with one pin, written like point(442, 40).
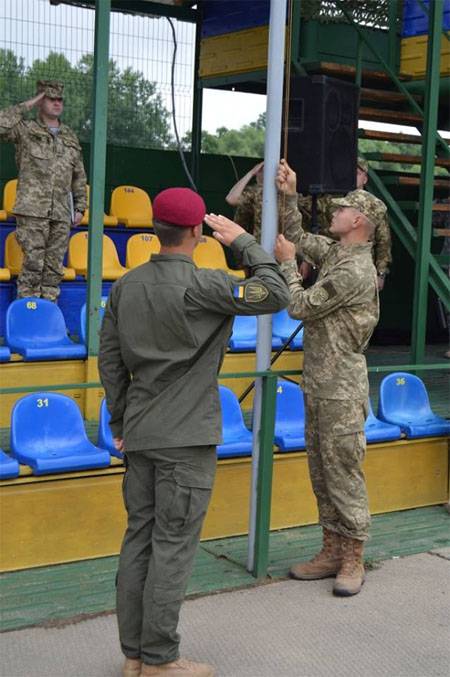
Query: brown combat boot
point(180, 668)
point(326, 563)
point(132, 667)
point(350, 578)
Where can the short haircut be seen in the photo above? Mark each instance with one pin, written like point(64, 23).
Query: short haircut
point(168, 234)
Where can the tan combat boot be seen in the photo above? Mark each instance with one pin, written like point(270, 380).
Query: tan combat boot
point(180, 668)
point(350, 578)
point(132, 667)
point(326, 563)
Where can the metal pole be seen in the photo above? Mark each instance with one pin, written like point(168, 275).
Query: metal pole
point(393, 40)
point(275, 72)
point(197, 109)
point(97, 173)
point(419, 324)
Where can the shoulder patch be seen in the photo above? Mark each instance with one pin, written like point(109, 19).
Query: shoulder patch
point(318, 296)
point(255, 292)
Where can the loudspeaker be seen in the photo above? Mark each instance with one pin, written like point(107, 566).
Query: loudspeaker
point(322, 134)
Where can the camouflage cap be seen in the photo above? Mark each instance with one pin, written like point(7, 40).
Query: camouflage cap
point(51, 88)
point(366, 203)
point(363, 164)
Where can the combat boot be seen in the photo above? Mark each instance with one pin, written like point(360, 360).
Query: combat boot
point(326, 563)
point(180, 668)
point(350, 578)
point(132, 667)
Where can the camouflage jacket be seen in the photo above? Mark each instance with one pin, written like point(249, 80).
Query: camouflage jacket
point(339, 312)
point(249, 210)
point(50, 167)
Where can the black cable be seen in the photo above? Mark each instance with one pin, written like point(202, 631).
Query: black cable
point(174, 119)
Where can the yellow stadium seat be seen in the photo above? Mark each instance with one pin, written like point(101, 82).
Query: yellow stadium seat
point(5, 275)
point(9, 196)
point(14, 258)
point(140, 247)
point(78, 257)
point(3, 215)
point(210, 254)
point(132, 206)
point(107, 220)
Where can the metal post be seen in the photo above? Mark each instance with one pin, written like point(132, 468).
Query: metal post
point(427, 184)
point(359, 58)
point(197, 110)
point(265, 468)
point(97, 172)
point(275, 72)
point(393, 41)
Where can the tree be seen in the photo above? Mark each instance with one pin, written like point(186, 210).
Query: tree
point(246, 141)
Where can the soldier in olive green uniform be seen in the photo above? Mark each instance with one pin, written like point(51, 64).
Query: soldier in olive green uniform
point(51, 185)
point(249, 211)
point(339, 314)
point(164, 336)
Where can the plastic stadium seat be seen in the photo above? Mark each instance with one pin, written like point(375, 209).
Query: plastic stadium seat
point(404, 402)
point(237, 439)
point(132, 206)
point(243, 338)
point(9, 197)
point(289, 417)
point(380, 431)
point(140, 247)
point(105, 438)
point(9, 467)
point(5, 354)
point(283, 326)
point(35, 328)
point(210, 254)
point(101, 312)
point(107, 220)
point(48, 434)
point(3, 215)
point(78, 257)
point(14, 258)
point(5, 274)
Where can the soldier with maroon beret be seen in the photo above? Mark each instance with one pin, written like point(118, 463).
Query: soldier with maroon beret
point(163, 339)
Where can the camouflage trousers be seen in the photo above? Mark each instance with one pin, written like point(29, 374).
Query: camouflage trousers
point(166, 495)
point(44, 243)
point(336, 445)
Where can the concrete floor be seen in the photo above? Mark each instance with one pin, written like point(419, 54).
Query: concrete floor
point(399, 626)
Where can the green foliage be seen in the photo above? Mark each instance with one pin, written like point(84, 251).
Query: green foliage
point(136, 113)
point(247, 141)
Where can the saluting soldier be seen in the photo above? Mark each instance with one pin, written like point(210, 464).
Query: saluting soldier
point(339, 314)
point(51, 189)
point(164, 335)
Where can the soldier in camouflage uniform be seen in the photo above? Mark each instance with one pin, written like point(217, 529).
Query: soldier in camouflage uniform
point(51, 188)
point(163, 339)
point(249, 211)
point(339, 314)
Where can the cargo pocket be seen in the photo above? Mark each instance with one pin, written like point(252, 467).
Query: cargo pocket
point(190, 500)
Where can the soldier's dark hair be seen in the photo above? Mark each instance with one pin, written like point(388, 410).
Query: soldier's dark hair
point(168, 234)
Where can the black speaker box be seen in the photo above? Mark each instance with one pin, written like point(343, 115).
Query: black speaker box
point(323, 134)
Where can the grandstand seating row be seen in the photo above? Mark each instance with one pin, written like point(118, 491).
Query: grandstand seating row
point(48, 433)
point(208, 254)
point(36, 329)
point(130, 206)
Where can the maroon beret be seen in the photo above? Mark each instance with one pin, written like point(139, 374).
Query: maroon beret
point(179, 207)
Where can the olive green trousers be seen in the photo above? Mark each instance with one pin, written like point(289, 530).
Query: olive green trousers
point(166, 494)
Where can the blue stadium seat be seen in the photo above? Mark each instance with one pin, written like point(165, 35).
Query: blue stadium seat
point(404, 402)
point(48, 434)
point(289, 417)
point(9, 466)
point(237, 439)
point(101, 311)
point(380, 431)
point(5, 354)
point(283, 326)
point(105, 438)
point(35, 329)
point(243, 338)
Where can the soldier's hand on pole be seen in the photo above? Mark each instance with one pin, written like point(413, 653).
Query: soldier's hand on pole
point(32, 102)
point(284, 250)
point(225, 230)
point(286, 179)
